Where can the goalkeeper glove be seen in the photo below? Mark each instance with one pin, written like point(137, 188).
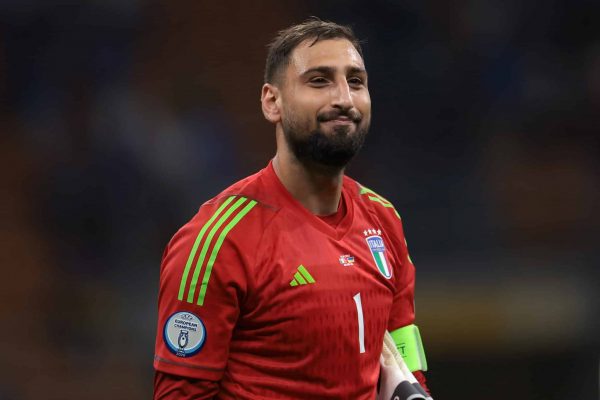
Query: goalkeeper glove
point(396, 380)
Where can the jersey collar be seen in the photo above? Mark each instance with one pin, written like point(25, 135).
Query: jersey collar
point(294, 205)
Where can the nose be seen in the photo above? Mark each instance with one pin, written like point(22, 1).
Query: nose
point(341, 97)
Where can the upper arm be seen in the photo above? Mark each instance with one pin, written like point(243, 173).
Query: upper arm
point(403, 311)
point(203, 282)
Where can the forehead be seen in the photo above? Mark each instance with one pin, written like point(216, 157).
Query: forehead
point(336, 53)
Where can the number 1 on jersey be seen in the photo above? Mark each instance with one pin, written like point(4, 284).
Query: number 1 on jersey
point(361, 322)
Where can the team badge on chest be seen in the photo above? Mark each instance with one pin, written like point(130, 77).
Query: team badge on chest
point(377, 247)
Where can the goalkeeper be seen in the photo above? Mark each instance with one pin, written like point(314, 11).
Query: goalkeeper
point(283, 285)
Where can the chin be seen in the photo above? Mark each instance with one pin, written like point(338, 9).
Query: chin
point(338, 129)
point(343, 129)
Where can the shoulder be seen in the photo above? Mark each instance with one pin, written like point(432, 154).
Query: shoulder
point(385, 213)
point(255, 189)
point(371, 200)
point(234, 219)
point(217, 245)
point(378, 207)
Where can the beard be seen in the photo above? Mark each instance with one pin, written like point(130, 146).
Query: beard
point(334, 149)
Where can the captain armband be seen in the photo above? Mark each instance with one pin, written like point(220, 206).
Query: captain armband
point(409, 345)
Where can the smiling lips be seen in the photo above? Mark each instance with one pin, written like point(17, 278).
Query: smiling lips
point(341, 120)
point(340, 117)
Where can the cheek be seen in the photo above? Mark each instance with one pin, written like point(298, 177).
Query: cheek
point(363, 103)
point(308, 104)
point(300, 109)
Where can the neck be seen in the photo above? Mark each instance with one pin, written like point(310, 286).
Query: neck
point(317, 188)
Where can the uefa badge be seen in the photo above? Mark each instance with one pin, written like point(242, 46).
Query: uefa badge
point(184, 334)
point(375, 243)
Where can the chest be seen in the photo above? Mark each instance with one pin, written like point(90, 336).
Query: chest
point(317, 289)
point(304, 258)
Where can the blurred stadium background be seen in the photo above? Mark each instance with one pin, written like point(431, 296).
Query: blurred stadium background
point(119, 118)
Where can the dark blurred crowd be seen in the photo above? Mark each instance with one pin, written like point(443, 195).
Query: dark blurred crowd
point(119, 118)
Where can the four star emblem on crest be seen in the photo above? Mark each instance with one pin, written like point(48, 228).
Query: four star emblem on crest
point(370, 231)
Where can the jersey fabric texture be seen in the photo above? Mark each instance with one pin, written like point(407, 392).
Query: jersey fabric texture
point(273, 302)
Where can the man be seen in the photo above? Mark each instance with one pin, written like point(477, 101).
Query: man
point(283, 285)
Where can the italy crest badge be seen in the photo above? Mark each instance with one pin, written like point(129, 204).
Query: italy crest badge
point(377, 247)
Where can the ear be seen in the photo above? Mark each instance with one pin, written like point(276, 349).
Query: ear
point(271, 103)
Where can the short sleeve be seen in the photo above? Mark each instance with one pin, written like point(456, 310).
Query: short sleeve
point(203, 281)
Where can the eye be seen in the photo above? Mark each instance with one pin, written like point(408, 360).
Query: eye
point(355, 81)
point(318, 81)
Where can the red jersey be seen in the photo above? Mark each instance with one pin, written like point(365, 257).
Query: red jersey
point(271, 301)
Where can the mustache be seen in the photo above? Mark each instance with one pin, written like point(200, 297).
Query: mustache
point(352, 114)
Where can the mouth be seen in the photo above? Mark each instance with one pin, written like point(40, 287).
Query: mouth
point(340, 121)
point(340, 118)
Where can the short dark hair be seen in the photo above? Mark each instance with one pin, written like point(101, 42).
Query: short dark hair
point(288, 39)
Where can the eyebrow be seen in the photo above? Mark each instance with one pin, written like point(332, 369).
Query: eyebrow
point(330, 70)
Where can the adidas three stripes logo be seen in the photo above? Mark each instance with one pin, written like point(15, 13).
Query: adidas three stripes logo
point(209, 242)
point(302, 277)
